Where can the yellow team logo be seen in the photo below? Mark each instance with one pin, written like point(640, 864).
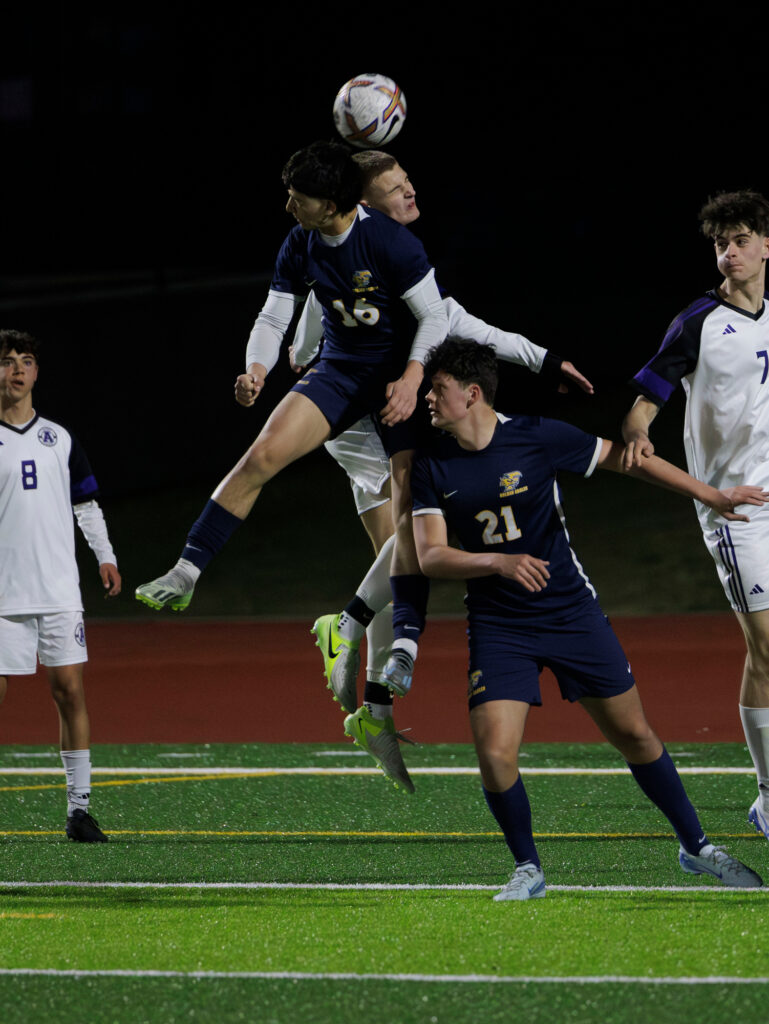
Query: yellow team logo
point(509, 484)
point(475, 684)
point(362, 281)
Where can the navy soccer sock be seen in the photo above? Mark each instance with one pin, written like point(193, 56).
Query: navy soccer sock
point(209, 533)
point(662, 784)
point(410, 594)
point(513, 814)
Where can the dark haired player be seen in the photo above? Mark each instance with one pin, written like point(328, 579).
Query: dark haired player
point(372, 279)
point(44, 475)
point(493, 481)
point(718, 349)
point(387, 188)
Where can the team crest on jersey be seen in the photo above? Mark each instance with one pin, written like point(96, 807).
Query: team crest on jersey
point(80, 634)
point(509, 484)
point(362, 281)
point(47, 436)
point(474, 683)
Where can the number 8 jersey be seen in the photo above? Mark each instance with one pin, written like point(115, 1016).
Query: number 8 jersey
point(720, 355)
point(43, 473)
point(506, 498)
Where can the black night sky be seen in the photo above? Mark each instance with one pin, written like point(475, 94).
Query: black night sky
point(560, 158)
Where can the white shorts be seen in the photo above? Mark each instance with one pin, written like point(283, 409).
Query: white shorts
point(360, 453)
point(57, 638)
point(741, 554)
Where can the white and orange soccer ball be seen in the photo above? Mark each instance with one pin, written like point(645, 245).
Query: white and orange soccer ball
point(369, 111)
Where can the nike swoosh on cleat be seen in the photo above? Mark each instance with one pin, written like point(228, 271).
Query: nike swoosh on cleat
point(332, 653)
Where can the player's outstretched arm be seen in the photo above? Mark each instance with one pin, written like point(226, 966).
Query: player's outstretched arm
point(512, 347)
point(438, 559)
point(635, 432)
point(572, 375)
point(664, 474)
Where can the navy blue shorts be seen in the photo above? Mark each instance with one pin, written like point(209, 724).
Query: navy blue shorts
point(346, 391)
point(584, 655)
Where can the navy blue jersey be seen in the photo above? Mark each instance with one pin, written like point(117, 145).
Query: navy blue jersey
point(359, 285)
point(506, 498)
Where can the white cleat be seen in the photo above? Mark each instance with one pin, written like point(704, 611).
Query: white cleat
point(527, 883)
point(715, 861)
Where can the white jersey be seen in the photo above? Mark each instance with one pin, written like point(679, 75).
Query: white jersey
point(43, 473)
point(720, 354)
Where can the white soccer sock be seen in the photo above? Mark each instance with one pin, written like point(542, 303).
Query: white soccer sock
point(755, 724)
point(379, 638)
point(380, 711)
point(375, 590)
point(411, 647)
point(187, 572)
point(349, 628)
point(77, 767)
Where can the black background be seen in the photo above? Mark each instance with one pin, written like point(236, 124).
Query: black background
point(560, 159)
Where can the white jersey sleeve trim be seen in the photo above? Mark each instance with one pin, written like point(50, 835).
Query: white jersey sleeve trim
point(309, 332)
point(513, 348)
point(270, 327)
point(425, 302)
point(90, 519)
point(428, 512)
point(594, 460)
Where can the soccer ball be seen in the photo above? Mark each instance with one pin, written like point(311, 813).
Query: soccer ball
point(369, 111)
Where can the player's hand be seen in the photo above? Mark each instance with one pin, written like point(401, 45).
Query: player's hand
point(530, 572)
point(573, 376)
point(296, 367)
point(247, 389)
point(110, 577)
point(636, 450)
point(734, 496)
point(401, 398)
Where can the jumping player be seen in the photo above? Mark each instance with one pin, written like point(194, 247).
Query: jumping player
point(372, 279)
point(493, 481)
point(387, 188)
point(718, 349)
point(44, 474)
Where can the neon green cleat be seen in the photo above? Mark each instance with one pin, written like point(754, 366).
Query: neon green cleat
point(170, 590)
point(378, 737)
point(341, 661)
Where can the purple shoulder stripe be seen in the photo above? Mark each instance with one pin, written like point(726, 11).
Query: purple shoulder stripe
point(83, 489)
point(654, 384)
point(698, 307)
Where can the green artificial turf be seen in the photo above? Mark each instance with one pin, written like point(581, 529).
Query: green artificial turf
point(311, 861)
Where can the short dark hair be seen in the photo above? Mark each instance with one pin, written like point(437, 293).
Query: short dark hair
point(372, 163)
point(730, 209)
point(468, 362)
point(325, 170)
point(20, 341)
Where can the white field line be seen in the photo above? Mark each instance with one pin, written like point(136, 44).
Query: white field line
point(437, 770)
point(376, 887)
point(484, 979)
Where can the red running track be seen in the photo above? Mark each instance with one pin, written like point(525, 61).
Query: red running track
point(175, 681)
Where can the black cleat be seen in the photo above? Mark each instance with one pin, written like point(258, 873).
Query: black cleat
point(83, 828)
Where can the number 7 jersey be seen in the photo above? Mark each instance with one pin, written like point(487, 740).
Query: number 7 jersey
point(505, 498)
point(720, 355)
point(43, 473)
